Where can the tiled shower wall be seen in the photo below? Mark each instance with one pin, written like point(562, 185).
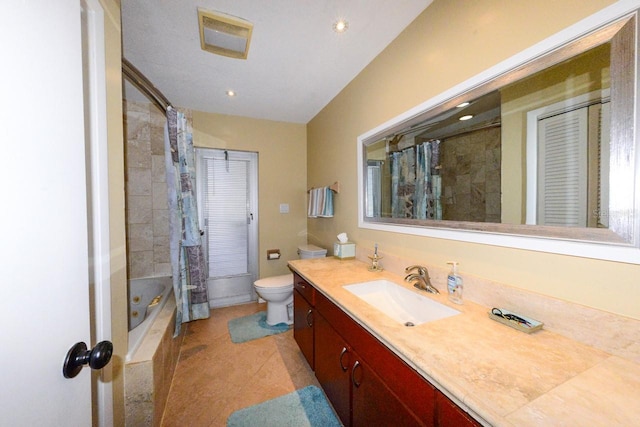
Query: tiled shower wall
point(146, 192)
point(471, 177)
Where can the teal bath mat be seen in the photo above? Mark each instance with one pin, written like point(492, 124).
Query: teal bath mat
point(249, 328)
point(307, 407)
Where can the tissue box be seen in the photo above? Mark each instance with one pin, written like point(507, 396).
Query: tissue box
point(344, 250)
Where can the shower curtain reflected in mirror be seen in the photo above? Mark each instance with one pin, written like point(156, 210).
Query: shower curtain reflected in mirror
point(416, 183)
point(188, 265)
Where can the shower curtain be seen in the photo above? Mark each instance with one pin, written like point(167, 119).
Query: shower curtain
point(188, 265)
point(416, 183)
point(403, 182)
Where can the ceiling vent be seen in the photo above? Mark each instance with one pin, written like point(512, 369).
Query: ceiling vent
point(224, 34)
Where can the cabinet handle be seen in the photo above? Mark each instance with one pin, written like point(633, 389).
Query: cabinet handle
point(342, 353)
point(353, 374)
point(309, 322)
point(301, 284)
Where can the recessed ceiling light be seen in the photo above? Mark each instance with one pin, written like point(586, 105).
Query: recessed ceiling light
point(464, 104)
point(231, 93)
point(467, 117)
point(340, 26)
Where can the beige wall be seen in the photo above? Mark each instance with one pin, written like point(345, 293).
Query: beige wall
point(118, 260)
point(450, 42)
point(282, 177)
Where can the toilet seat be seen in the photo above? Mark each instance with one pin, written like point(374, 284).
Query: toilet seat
point(284, 281)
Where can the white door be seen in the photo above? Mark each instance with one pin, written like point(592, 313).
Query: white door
point(562, 169)
point(228, 199)
point(573, 167)
point(44, 261)
point(568, 162)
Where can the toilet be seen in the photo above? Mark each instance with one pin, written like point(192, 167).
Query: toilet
point(277, 291)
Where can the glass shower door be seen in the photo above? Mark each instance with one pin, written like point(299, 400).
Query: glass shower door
point(228, 189)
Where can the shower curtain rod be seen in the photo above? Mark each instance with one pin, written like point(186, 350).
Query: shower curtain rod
point(136, 78)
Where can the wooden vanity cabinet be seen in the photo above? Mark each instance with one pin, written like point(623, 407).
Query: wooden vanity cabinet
point(374, 404)
point(366, 383)
point(303, 317)
point(450, 415)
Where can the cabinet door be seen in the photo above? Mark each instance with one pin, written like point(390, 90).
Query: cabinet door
point(373, 403)
point(303, 326)
point(450, 415)
point(333, 362)
point(305, 289)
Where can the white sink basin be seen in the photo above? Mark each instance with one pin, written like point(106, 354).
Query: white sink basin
point(401, 304)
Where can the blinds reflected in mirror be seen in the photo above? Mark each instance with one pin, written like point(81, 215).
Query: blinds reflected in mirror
point(374, 188)
point(572, 189)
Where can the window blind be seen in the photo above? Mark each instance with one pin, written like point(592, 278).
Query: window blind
point(226, 214)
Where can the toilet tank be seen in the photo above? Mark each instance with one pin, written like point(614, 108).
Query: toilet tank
point(311, 251)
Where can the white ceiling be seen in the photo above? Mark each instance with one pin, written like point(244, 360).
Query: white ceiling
point(296, 62)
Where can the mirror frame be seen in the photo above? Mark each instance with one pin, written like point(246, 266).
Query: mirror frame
point(617, 20)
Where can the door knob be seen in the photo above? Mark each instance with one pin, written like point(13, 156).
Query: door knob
point(79, 355)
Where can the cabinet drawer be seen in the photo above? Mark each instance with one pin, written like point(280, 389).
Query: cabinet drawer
point(307, 291)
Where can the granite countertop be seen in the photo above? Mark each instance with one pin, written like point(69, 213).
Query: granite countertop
point(502, 376)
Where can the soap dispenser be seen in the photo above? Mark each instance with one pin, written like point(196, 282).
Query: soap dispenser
point(454, 284)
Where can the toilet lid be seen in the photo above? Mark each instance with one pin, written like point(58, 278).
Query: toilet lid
point(275, 281)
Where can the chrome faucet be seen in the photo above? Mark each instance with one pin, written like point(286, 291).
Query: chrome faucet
point(422, 278)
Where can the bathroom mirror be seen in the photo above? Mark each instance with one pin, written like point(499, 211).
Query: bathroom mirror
point(545, 158)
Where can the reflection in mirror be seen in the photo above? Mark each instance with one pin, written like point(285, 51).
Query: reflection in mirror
point(531, 147)
point(442, 168)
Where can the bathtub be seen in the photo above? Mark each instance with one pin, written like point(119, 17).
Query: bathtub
point(153, 351)
point(147, 297)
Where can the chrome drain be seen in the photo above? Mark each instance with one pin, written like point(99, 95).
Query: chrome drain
point(409, 324)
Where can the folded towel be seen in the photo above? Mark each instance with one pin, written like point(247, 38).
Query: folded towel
point(320, 203)
point(319, 200)
point(313, 209)
point(327, 205)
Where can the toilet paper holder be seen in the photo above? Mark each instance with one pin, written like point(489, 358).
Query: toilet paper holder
point(273, 254)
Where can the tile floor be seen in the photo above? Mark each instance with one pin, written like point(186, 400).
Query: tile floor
point(215, 377)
